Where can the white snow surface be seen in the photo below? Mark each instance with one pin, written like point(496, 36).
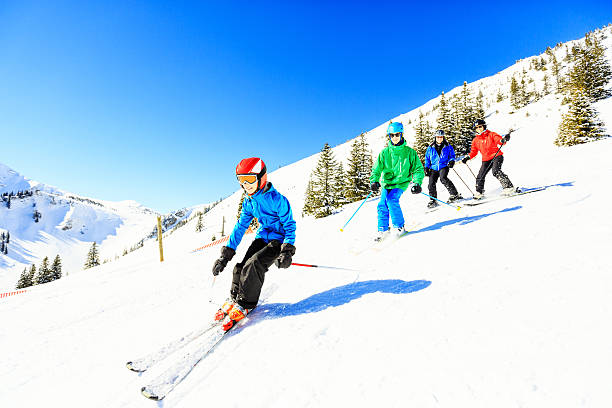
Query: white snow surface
point(504, 304)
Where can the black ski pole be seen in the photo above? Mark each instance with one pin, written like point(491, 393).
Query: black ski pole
point(462, 180)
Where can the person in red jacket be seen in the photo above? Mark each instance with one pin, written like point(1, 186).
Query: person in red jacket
point(489, 145)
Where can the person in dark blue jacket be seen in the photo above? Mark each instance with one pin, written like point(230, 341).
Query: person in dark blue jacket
point(439, 159)
point(273, 243)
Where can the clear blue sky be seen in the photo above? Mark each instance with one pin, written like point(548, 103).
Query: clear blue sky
point(157, 101)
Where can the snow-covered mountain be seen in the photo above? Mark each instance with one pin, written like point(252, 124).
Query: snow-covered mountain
point(502, 304)
point(45, 221)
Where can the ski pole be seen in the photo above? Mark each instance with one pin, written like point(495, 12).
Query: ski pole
point(362, 203)
point(470, 169)
point(443, 202)
point(462, 181)
point(324, 267)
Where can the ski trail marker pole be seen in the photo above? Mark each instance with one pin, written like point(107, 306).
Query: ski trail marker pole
point(362, 203)
point(443, 202)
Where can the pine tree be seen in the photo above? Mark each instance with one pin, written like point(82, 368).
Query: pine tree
point(32, 275)
point(359, 171)
point(580, 124)
point(44, 273)
point(327, 194)
point(545, 85)
point(591, 71)
point(25, 280)
point(500, 95)
point(309, 207)
point(200, 225)
point(93, 257)
point(444, 121)
point(479, 112)
point(56, 268)
point(556, 71)
point(466, 116)
point(422, 136)
point(515, 94)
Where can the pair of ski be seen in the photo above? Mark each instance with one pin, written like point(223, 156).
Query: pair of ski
point(208, 336)
point(157, 389)
point(470, 202)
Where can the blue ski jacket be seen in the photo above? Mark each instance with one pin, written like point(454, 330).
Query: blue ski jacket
point(272, 210)
point(436, 162)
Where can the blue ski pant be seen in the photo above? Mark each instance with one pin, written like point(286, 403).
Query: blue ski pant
point(389, 205)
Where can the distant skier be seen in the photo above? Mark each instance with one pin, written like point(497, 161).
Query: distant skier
point(489, 145)
point(439, 159)
point(273, 242)
point(398, 165)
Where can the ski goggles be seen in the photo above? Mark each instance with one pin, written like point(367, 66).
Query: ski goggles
point(246, 178)
point(398, 134)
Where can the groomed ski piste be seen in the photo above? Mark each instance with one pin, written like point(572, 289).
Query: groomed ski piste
point(504, 304)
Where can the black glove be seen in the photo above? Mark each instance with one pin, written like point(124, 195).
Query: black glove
point(506, 138)
point(465, 159)
point(416, 189)
point(427, 172)
point(227, 254)
point(375, 186)
point(451, 164)
point(284, 259)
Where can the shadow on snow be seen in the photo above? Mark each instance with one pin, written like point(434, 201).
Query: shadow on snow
point(338, 297)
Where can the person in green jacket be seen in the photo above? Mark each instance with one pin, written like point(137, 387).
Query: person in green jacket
point(398, 165)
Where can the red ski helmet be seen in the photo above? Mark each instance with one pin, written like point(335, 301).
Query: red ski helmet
point(254, 167)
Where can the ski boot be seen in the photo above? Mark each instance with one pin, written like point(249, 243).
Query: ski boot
point(455, 197)
point(432, 203)
point(399, 232)
point(510, 191)
point(236, 314)
point(381, 236)
point(225, 309)
point(478, 196)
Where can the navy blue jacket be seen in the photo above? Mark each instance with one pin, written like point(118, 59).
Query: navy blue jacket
point(436, 162)
point(273, 212)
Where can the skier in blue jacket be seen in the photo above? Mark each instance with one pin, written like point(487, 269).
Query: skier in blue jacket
point(439, 159)
point(273, 242)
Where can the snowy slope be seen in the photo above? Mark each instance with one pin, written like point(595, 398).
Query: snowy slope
point(504, 304)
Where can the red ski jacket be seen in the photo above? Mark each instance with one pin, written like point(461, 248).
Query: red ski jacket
point(487, 143)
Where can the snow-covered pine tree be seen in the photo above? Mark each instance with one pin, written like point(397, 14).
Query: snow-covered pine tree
point(556, 71)
point(93, 257)
point(515, 94)
point(327, 194)
point(479, 112)
point(44, 273)
point(56, 268)
point(591, 70)
point(360, 164)
point(580, 124)
point(200, 224)
point(465, 120)
point(25, 280)
point(422, 137)
point(444, 121)
point(309, 199)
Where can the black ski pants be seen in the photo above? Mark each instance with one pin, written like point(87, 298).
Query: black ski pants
point(249, 274)
point(495, 165)
point(442, 174)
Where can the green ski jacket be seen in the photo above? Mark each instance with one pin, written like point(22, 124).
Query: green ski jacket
point(398, 166)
